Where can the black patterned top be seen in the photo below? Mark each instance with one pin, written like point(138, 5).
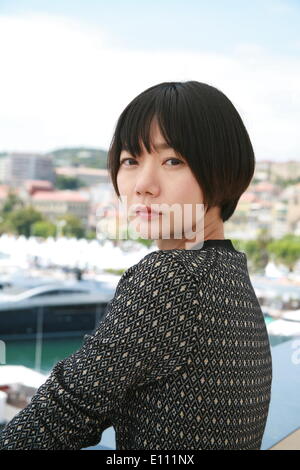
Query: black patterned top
point(181, 360)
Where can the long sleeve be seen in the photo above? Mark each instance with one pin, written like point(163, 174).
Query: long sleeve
point(148, 332)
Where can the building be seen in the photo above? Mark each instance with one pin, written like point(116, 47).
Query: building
point(18, 167)
point(90, 176)
point(263, 170)
point(4, 191)
point(100, 195)
point(291, 196)
point(58, 203)
point(285, 170)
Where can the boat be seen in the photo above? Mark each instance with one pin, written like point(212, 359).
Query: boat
point(52, 312)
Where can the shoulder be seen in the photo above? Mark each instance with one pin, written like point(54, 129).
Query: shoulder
point(167, 263)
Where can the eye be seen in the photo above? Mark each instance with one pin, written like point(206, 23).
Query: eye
point(125, 159)
point(177, 162)
point(174, 160)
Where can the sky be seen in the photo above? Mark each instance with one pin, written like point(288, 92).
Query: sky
point(69, 68)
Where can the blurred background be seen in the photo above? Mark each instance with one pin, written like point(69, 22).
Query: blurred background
point(68, 69)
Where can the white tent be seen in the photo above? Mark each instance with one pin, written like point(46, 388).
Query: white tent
point(283, 328)
point(22, 375)
point(70, 252)
point(273, 271)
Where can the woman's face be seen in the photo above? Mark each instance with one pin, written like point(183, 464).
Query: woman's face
point(162, 178)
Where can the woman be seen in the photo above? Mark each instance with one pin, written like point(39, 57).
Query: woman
point(182, 359)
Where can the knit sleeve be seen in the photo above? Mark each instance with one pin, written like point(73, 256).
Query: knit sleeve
point(148, 332)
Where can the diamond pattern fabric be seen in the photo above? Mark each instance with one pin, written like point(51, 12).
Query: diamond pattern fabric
point(181, 360)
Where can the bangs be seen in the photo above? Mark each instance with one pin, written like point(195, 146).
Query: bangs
point(202, 126)
point(160, 106)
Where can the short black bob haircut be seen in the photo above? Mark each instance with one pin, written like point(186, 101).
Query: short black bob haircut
point(202, 125)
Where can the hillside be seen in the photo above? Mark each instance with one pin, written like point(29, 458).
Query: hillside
point(80, 156)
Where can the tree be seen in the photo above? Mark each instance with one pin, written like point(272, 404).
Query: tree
point(73, 226)
point(43, 229)
point(68, 182)
point(91, 235)
point(12, 202)
point(258, 251)
point(147, 242)
point(22, 219)
point(6, 226)
point(286, 250)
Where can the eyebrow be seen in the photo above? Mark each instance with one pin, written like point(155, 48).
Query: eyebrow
point(162, 146)
point(157, 146)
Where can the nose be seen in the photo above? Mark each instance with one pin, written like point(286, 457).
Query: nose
point(147, 181)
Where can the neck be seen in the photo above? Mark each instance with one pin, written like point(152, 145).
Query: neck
point(213, 230)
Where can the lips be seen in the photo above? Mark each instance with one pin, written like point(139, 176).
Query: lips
point(146, 210)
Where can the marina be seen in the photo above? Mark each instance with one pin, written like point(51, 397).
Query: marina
point(47, 309)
